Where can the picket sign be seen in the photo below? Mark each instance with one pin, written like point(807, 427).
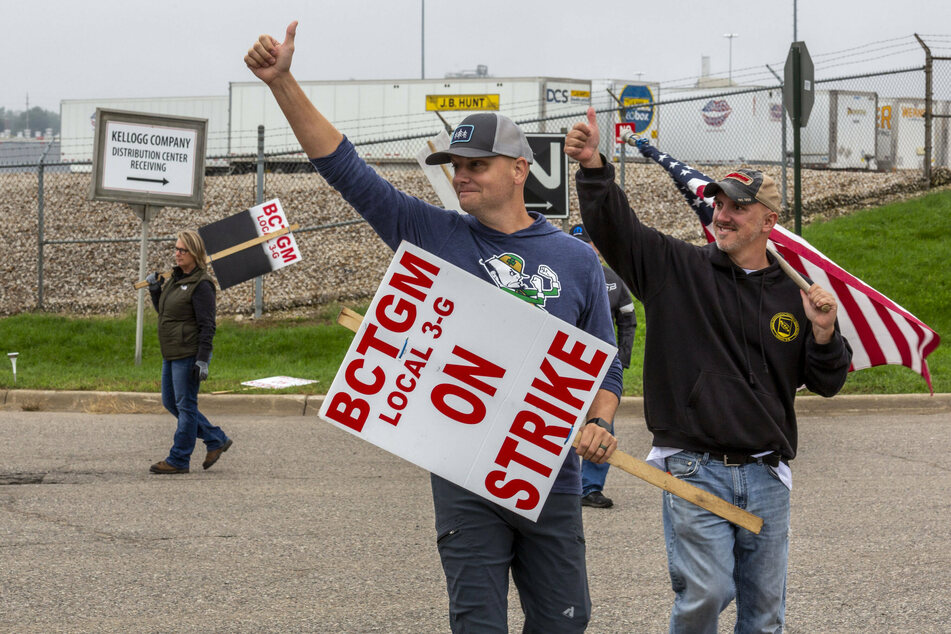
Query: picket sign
point(472, 384)
point(231, 242)
point(357, 323)
point(230, 250)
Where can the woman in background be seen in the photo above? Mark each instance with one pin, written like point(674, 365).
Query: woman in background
point(186, 327)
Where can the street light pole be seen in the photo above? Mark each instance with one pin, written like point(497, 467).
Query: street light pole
point(730, 37)
point(422, 40)
point(795, 25)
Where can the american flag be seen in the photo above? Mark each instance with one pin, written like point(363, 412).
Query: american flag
point(880, 331)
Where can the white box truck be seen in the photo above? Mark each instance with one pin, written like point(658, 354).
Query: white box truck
point(841, 132)
point(901, 133)
point(722, 125)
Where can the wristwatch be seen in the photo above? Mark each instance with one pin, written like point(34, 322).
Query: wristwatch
point(600, 422)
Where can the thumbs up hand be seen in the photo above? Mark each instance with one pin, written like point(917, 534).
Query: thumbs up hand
point(582, 141)
point(268, 59)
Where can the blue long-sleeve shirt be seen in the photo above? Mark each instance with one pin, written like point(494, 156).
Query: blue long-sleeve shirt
point(541, 264)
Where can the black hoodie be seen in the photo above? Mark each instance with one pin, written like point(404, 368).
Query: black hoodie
point(725, 350)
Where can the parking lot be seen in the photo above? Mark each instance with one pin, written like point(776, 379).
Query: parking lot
point(301, 527)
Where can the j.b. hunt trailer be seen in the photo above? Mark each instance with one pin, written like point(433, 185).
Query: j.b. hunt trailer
point(697, 125)
point(363, 110)
point(405, 110)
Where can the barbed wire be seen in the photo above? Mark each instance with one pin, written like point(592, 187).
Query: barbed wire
point(904, 44)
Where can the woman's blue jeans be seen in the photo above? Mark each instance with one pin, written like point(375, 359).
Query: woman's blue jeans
point(712, 561)
point(180, 397)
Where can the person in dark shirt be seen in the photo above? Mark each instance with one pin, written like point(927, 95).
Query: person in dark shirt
point(593, 475)
point(729, 339)
point(186, 328)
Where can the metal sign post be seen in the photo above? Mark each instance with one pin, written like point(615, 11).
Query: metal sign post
point(798, 97)
point(147, 213)
point(258, 199)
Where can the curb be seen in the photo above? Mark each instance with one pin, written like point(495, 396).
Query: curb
point(309, 405)
point(151, 403)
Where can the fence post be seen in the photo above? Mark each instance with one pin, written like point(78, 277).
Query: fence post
point(258, 199)
point(929, 105)
point(623, 159)
point(784, 160)
point(39, 227)
point(147, 213)
point(39, 237)
point(623, 150)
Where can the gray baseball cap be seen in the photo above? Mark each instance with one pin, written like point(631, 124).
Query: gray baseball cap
point(485, 134)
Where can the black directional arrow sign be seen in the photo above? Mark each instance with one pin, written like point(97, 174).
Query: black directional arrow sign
point(547, 187)
point(164, 181)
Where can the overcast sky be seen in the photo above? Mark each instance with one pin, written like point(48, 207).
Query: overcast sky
point(82, 49)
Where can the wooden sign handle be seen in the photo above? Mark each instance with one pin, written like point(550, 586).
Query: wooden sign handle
point(351, 320)
point(231, 250)
point(694, 495)
point(445, 170)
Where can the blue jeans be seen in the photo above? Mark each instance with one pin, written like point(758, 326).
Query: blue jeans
point(180, 397)
point(593, 475)
point(712, 561)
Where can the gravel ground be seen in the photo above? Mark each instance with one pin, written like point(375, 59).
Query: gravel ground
point(340, 263)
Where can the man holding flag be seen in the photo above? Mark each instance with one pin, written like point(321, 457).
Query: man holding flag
point(729, 340)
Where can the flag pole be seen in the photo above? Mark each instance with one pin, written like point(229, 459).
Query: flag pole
point(793, 273)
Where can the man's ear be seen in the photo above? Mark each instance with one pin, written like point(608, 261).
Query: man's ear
point(521, 170)
point(769, 220)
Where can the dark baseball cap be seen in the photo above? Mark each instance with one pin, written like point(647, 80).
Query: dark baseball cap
point(746, 187)
point(579, 232)
point(485, 134)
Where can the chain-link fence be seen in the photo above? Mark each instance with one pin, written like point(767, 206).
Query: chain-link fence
point(869, 137)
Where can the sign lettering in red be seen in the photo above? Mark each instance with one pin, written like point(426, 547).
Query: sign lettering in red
point(489, 406)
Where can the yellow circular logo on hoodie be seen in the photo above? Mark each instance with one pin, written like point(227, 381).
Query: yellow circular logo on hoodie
point(784, 326)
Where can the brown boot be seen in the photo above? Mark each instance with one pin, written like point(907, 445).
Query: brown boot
point(164, 467)
point(212, 456)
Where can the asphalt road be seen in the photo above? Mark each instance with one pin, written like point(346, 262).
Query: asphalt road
point(303, 528)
